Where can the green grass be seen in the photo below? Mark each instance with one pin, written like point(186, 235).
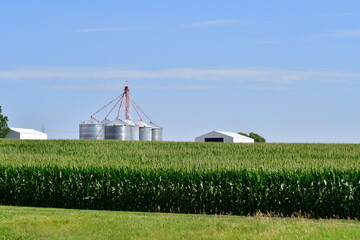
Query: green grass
point(178, 155)
point(41, 223)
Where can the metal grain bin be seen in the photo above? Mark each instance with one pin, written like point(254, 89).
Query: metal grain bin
point(105, 121)
point(91, 129)
point(134, 130)
point(145, 133)
point(118, 130)
point(156, 132)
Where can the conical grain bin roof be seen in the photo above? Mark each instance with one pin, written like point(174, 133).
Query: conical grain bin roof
point(142, 124)
point(118, 122)
point(91, 121)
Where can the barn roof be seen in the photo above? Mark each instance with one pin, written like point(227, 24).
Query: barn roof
point(27, 131)
point(230, 134)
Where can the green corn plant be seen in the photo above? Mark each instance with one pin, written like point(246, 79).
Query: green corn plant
point(325, 193)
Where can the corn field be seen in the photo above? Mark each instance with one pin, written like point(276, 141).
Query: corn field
point(319, 194)
point(312, 180)
point(178, 155)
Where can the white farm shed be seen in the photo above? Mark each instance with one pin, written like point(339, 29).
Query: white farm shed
point(24, 133)
point(220, 136)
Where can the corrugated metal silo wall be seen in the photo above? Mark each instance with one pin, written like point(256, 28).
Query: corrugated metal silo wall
point(121, 132)
point(91, 131)
point(145, 133)
point(156, 134)
point(134, 133)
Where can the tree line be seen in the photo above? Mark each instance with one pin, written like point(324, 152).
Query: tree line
point(257, 138)
point(4, 128)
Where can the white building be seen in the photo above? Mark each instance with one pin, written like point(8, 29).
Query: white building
point(24, 133)
point(220, 136)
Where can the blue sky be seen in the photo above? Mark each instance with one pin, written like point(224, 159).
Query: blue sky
point(288, 70)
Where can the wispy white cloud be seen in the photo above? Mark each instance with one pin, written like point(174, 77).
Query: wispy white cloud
point(334, 15)
point(232, 75)
point(210, 23)
point(346, 33)
point(353, 33)
point(119, 86)
point(104, 29)
point(113, 86)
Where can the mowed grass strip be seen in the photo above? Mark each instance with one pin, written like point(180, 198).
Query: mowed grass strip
point(178, 155)
point(44, 223)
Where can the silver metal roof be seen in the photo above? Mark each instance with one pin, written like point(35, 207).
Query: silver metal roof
point(105, 121)
point(153, 125)
point(142, 124)
point(27, 131)
point(129, 122)
point(91, 121)
point(117, 122)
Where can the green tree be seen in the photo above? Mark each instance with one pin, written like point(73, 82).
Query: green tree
point(257, 138)
point(4, 129)
point(244, 134)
